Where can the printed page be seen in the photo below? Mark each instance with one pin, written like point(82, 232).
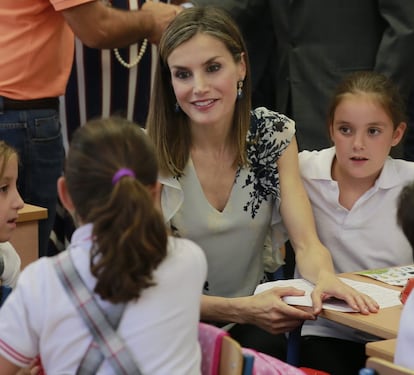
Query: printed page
point(385, 297)
point(397, 276)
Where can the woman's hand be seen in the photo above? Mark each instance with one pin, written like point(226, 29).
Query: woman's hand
point(268, 311)
point(329, 285)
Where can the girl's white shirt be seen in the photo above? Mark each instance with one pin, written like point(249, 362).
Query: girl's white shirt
point(364, 237)
point(160, 329)
point(11, 264)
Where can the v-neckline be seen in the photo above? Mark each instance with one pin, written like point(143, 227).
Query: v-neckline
point(201, 190)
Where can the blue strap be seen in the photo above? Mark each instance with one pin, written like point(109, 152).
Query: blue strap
point(293, 346)
point(110, 344)
point(4, 293)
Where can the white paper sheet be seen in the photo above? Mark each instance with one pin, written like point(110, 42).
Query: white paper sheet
point(385, 297)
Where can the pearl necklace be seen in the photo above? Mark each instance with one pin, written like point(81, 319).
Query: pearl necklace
point(141, 53)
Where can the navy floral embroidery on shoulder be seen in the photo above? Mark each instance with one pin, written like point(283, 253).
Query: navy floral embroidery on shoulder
point(267, 138)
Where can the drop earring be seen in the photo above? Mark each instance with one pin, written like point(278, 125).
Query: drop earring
point(177, 107)
point(239, 90)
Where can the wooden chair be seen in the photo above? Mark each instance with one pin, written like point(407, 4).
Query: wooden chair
point(384, 367)
point(231, 358)
point(221, 354)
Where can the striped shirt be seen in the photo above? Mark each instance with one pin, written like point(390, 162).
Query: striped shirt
point(99, 86)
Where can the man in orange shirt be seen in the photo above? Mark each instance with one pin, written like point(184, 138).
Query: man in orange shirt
point(37, 44)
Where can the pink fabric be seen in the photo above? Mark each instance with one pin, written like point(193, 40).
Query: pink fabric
point(210, 338)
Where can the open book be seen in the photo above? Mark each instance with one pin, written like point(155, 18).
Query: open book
point(385, 297)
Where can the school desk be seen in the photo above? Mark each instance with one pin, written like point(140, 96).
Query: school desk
point(25, 238)
point(383, 324)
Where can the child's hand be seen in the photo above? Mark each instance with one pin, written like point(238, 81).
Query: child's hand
point(35, 368)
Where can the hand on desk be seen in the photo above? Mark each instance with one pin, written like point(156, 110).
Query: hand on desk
point(268, 311)
point(331, 286)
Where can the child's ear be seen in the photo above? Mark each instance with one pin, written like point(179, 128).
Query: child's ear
point(64, 195)
point(398, 133)
point(242, 66)
point(330, 127)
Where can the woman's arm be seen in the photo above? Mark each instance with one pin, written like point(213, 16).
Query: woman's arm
point(312, 258)
point(265, 310)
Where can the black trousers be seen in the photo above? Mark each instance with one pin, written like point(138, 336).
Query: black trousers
point(250, 336)
point(335, 356)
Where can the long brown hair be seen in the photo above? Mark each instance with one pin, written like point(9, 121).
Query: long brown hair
point(170, 130)
point(129, 235)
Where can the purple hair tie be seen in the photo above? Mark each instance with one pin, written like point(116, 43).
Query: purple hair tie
point(122, 173)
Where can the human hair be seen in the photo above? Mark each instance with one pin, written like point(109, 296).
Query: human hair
point(373, 83)
point(6, 151)
point(129, 235)
point(169, 129)
point(405, 212)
